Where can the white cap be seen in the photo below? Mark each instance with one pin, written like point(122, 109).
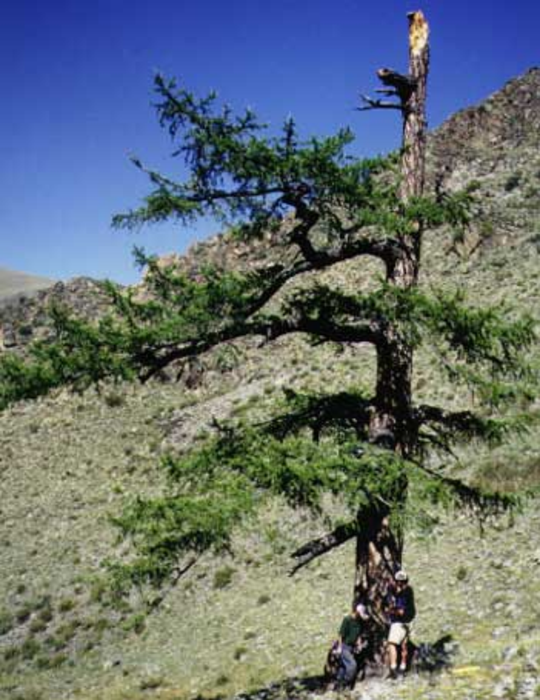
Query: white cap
point(401, 575)
point(362, 611)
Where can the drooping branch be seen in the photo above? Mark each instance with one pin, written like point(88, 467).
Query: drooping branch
point(205, 196)
point(481, 503)
point(464, 423)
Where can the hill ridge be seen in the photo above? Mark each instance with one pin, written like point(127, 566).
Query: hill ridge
point(14, 283)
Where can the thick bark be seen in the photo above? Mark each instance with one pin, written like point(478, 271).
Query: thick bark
point(378, 555)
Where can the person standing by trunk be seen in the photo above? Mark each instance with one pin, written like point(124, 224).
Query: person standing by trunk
point(401, 611)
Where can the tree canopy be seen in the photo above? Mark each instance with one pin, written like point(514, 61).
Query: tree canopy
point(326, 208)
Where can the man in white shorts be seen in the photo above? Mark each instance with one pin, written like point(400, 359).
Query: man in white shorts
point(401, 611)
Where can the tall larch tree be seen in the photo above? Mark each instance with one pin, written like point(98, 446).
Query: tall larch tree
point(325, 208)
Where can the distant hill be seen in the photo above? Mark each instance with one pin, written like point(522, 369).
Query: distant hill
point(14, 283)
point(24, 316)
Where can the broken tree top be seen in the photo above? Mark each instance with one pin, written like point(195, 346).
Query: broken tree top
point(418, 32)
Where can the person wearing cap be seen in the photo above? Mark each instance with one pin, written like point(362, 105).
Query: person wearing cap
point(401, 611)
point(350, 643)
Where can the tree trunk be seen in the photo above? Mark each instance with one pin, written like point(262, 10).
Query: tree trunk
point(394, 355)
point(378, 553)
point(378, 549)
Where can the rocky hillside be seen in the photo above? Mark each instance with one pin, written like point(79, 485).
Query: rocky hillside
point(495, 146)
point(240, 625)
point(24, 317)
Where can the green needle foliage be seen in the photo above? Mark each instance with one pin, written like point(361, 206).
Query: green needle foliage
point(324, 208)
point(214, 490)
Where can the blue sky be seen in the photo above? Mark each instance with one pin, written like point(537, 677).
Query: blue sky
point(77, 90)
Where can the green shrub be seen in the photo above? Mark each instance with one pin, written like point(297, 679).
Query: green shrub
point(42, 602)
point(29, 648)
point(66, 604)
point(151, 682)
point(102, 624)
point(486, 229)
point(6, 622)
point(135, 623)
point(23, 613)
point(68, 630)
point(462, 573)
point(512, 181)
point(114, 399)
point(223, 577)
point(11, 652)
point(37, 625)
point(46, 614)
point(56, 643)
point(98, 591)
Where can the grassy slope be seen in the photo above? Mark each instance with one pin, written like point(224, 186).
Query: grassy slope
point(68, 462)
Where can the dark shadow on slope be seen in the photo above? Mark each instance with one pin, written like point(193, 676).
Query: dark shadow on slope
point(427, 658)
point(290, 688)
point(433, 657)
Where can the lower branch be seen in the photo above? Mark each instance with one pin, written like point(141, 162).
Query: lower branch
point(368, 332)
point(481, 503)
point(315, 548)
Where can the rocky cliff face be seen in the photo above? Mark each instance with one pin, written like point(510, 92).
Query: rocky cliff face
point(495, 146)
point(494, 136)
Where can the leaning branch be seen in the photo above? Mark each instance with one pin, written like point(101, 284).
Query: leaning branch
point(368, 332)
point(316, 548)
point(465, 423)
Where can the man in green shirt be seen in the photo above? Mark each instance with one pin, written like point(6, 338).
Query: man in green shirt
point(350, 637)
